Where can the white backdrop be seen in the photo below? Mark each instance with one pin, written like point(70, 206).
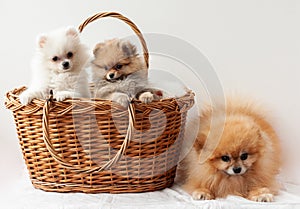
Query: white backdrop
point(254, 46)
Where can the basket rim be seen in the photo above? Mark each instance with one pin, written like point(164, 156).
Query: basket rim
point(12, 101)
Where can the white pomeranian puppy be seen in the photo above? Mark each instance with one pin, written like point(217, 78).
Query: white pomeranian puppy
point(59, 65)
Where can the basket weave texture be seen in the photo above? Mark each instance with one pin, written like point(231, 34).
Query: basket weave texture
point(94, 145)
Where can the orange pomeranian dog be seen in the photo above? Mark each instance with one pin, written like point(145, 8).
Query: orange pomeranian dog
point(242, 160)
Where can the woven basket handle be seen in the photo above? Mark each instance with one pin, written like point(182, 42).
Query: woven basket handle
point(76, 168)
point(124, 19)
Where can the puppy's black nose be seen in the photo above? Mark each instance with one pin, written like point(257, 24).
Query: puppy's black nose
point(111, 75)
point(237, 169)
point(66, 65)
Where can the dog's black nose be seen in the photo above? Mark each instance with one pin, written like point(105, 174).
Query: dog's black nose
point(237, 169)
point(66, 65)
point(111, 75)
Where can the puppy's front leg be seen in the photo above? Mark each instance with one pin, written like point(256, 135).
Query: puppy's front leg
point(146, 97)
point(121, 98)
point(103, 92)
point(202, 194)
point(62, 95)
point(28, 95)
point(261, 195)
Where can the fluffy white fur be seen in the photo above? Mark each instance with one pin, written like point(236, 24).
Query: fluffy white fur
point(59, 65)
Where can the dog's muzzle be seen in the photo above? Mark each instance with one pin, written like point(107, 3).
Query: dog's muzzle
point(66, 65)
point(111, 78)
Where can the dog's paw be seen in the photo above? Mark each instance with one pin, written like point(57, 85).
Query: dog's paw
point(102, 92)
point(146, 97)
point(200, 194)
point(27, 96)
point(261, 195)
point(61, 96)
point(121, 99)
point(267, 197)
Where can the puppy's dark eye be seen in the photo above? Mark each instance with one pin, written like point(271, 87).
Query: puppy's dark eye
point(118, 66)
point(225, 158)
point(69, 55)
point(55, 58)
point(105, 68)
point(244, 156)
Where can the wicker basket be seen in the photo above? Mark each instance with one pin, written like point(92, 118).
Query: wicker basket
point(94, 145)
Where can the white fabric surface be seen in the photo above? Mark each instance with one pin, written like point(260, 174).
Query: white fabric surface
point(22, 195)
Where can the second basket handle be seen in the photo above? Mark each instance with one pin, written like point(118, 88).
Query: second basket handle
point(124, 19)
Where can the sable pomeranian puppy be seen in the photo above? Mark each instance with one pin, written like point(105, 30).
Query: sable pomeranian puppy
point(119, 73)
point(244, 160)
point(58, 64)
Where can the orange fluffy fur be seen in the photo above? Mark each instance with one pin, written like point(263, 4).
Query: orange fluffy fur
point(245, 131)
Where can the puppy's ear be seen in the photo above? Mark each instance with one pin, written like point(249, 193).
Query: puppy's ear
point(72, 31)
point(129, 49)
point(199, 142)
point(265, 139)
point(41, 40)
point(97, 47)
